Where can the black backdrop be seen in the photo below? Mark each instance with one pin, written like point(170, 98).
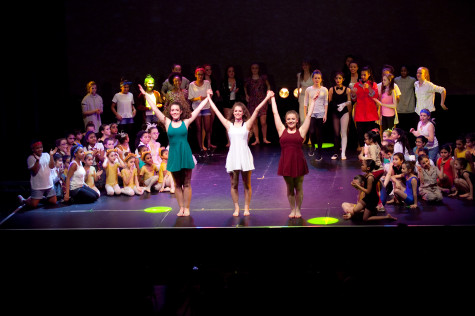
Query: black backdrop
point(52, 49)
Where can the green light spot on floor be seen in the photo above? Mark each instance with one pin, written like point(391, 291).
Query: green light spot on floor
point(158, 209)
point(325, 145)
point(323, 220)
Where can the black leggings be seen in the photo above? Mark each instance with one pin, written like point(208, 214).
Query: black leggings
point(362, 128)
point(84, 194)
point(316, 133)
point(387, 122)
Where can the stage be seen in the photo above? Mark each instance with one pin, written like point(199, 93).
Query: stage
point(114, 256)
point(325, 188)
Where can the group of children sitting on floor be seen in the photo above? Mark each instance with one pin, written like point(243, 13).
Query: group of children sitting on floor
point(392, 177)
point(102, 163)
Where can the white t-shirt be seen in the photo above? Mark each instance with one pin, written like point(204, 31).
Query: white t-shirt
point(194, 91)
point(124, 104)
point(42, 180)
point(320, 102)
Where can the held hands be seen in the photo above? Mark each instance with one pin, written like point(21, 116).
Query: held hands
point(270, 94)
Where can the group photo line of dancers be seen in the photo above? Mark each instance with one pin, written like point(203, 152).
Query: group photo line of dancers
point(114, 159)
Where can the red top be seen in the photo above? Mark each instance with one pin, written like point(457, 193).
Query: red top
point(366, 109)
point(447, 169)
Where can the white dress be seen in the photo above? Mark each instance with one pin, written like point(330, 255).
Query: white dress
point(239, 155)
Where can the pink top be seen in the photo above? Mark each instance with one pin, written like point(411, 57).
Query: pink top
point(387, 99)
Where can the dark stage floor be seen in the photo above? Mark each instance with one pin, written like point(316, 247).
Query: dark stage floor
point(113, 257)
point(325, 188)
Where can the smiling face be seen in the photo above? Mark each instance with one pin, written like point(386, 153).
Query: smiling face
point(63, 145)
point(148, 159)
point(419, 143)
point(237, 113)
point(175, 112)
point(176, 82)
point(353, 68)
point(92, 139)
point(149, 85)
point(291, 120)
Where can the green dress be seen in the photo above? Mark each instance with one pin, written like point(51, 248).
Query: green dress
point(179, 152)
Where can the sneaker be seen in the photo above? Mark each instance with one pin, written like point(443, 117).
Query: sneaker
point(335, 156)
point(318, 158)
point(21, 199)
point(311, 151)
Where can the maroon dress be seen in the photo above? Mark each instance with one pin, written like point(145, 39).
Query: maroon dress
point(292, 162)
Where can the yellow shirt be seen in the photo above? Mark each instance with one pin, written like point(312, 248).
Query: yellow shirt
point(90, 177)
point(125, 173)
point(112, 174)
point(148, 174)
point(162, 172)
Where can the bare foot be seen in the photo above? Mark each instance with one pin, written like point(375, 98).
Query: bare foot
point(236, 212)
point(186, 212)
point(298, 214)
point(266, 141)
point(347, 215)
point(180, 213)
point(389, 216)
point(211, 146)
point(390, 202)
point(255, 143)
point(246, 213)
point(147, 189)
point(292, 214)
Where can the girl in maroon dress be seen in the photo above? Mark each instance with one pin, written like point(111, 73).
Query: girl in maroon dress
point(292, 164)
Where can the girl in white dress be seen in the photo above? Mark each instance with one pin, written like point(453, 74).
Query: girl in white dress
point(239, 158)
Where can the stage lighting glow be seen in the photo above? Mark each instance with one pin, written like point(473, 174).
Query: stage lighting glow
point(158, 209)
point(325, 145)
point(323, 220)
point(284, 93)
point(296, 92)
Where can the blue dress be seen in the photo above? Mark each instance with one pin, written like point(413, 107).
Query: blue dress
point(410, 196)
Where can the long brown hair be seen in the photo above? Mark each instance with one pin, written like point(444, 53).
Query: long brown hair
point(245, 112)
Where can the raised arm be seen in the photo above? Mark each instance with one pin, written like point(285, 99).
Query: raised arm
point(195, 113)
point(253, 117)
point(278, 123)
point(220, 116)
point(305, 125)
point(161, 117)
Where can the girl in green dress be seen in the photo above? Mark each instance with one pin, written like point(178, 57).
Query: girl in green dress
point(177, 119)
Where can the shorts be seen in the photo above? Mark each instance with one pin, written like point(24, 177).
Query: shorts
point(40, 194)
point(205, 112)
point(124, 121)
